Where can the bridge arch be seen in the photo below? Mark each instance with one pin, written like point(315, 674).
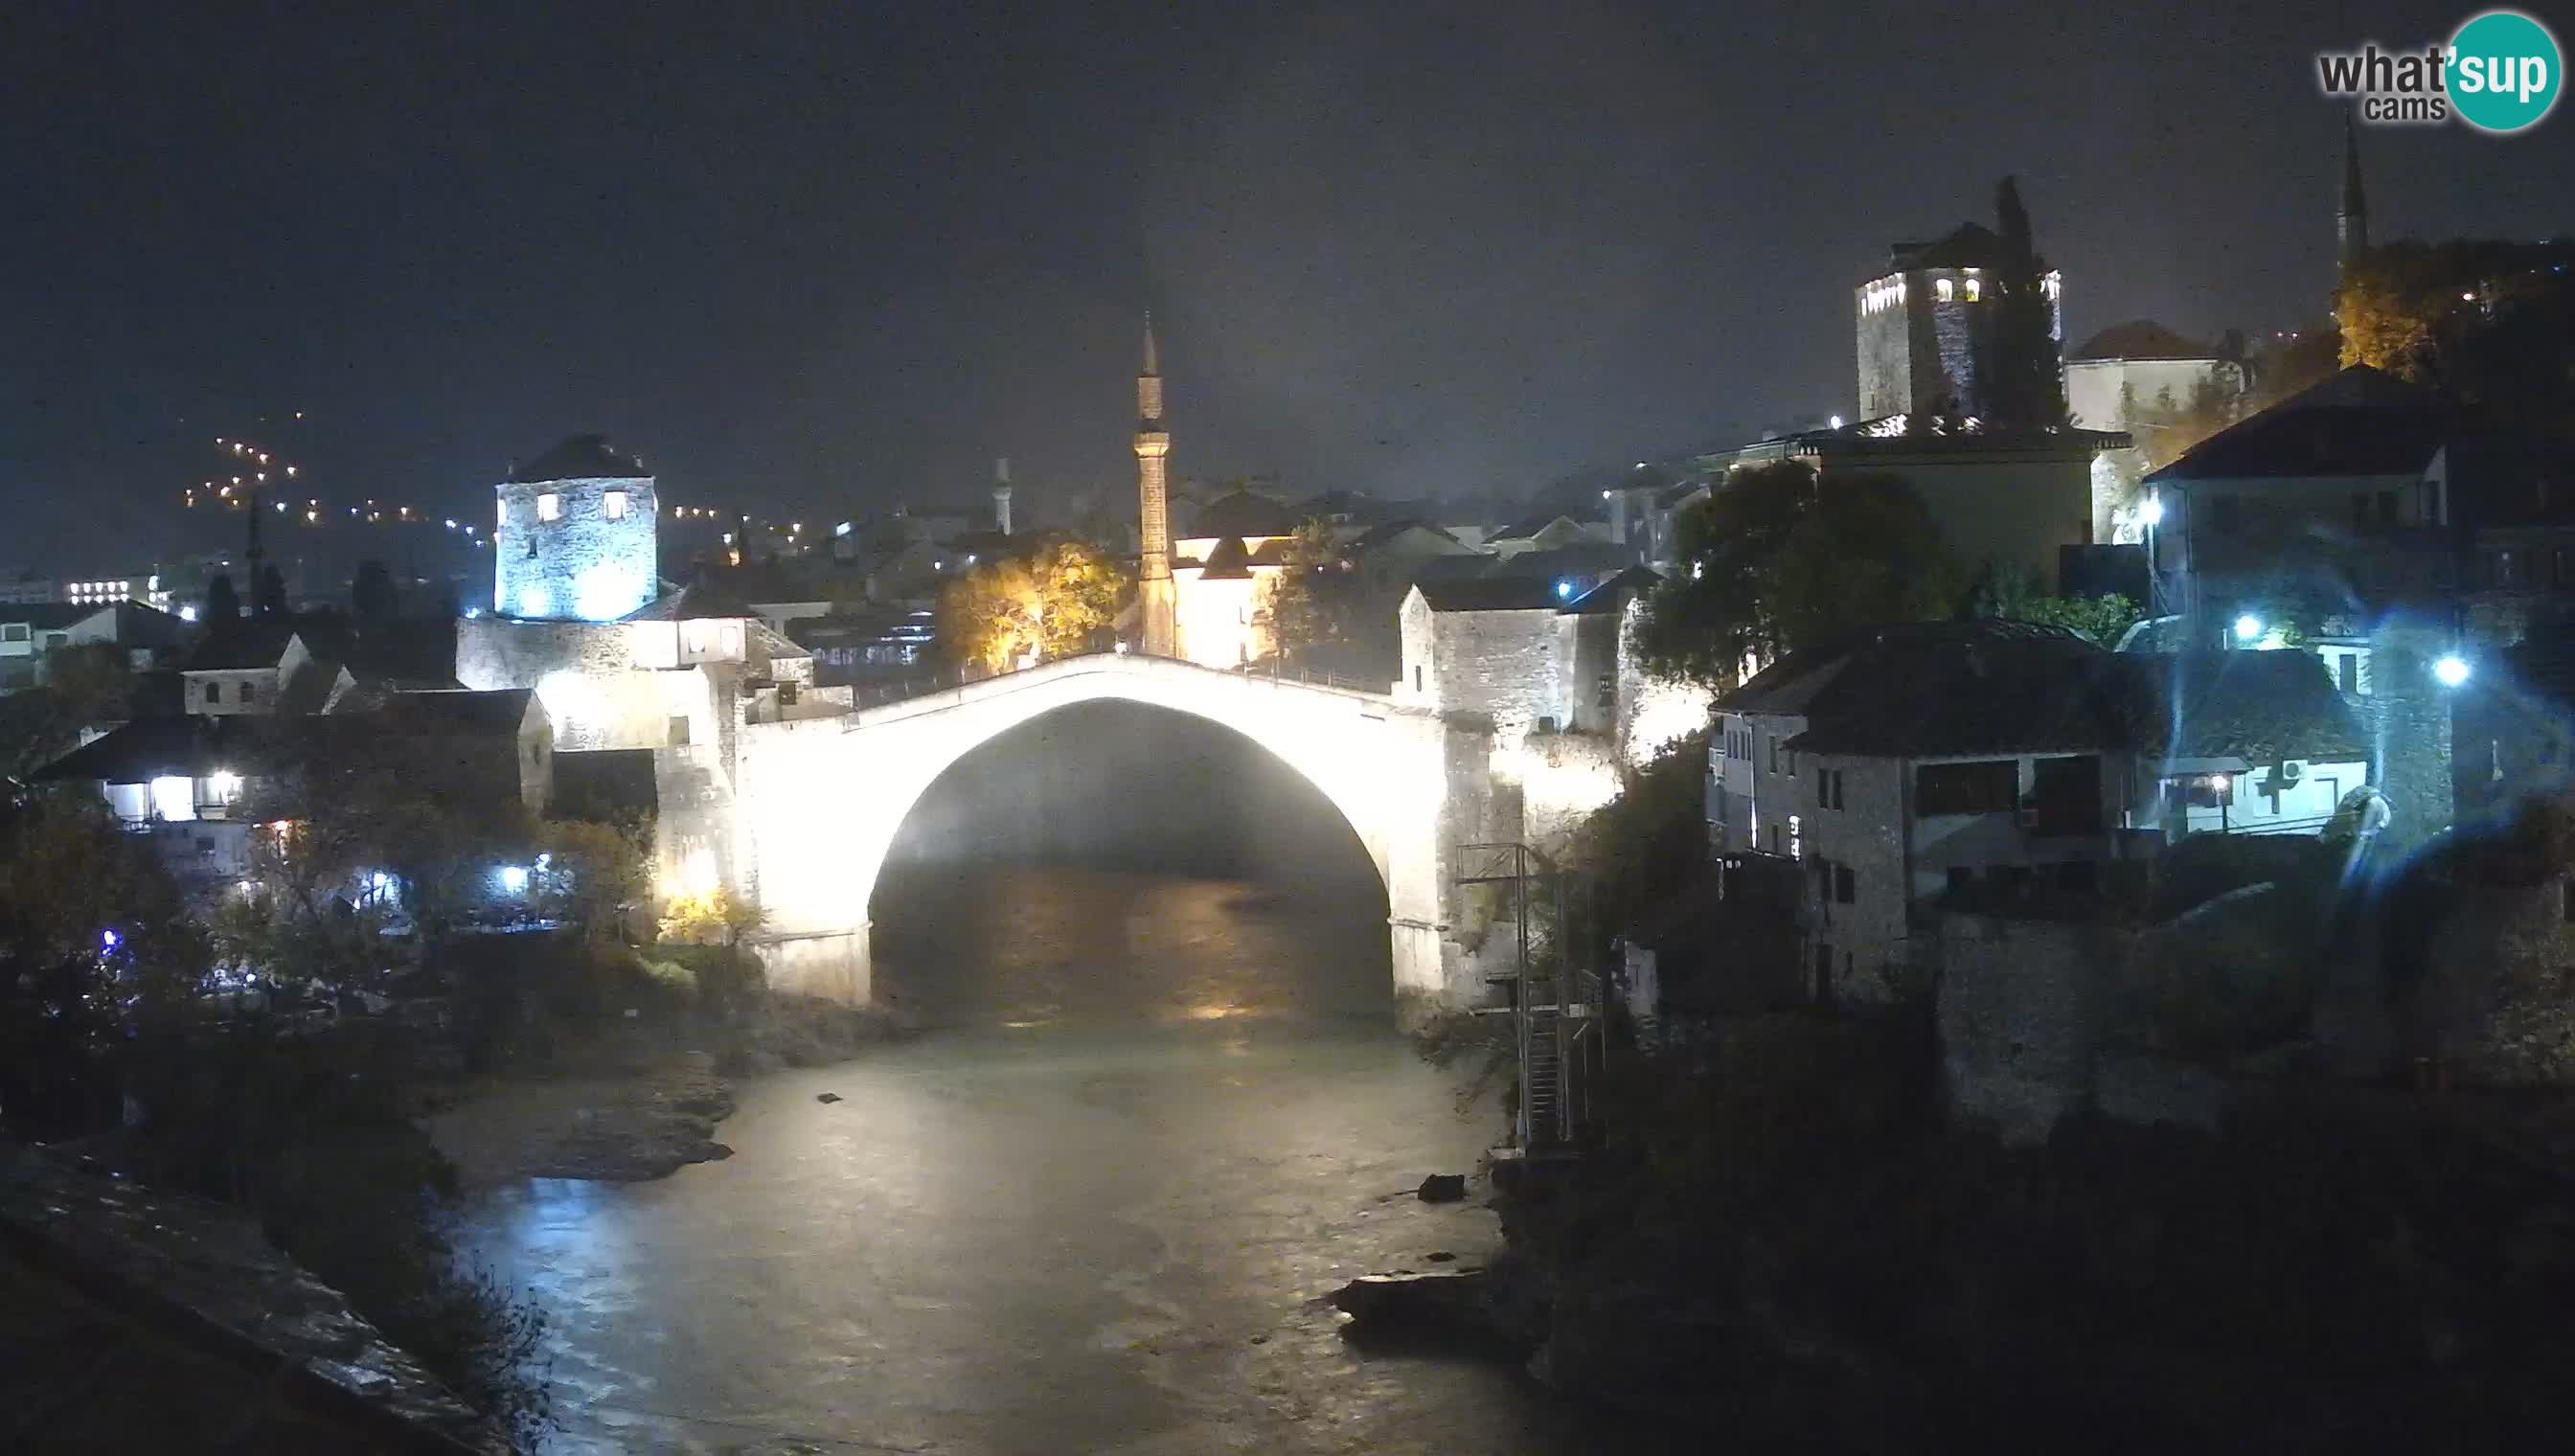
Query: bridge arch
point(817, 802)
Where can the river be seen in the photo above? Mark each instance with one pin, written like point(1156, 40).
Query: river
point(1093, 1214)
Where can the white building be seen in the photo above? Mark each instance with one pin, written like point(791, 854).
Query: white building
point(2130, 375)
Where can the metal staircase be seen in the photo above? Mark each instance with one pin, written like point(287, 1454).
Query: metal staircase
point(1555, 1007)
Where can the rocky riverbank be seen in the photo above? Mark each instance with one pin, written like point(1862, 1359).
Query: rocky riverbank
point(631, 1104)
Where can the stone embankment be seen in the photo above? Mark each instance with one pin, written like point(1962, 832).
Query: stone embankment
point(156, 1321)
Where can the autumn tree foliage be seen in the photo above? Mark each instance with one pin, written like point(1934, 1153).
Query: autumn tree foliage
point(1056, 601)
point(2492, 324)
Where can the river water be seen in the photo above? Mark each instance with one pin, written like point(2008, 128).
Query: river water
point(1092, 1214)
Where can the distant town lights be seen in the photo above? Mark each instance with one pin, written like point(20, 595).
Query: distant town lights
point(2451, 670)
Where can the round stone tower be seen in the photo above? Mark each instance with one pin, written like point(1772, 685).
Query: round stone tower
point(575, 541)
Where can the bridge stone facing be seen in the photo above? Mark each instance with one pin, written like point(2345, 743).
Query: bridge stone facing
point(818, 801)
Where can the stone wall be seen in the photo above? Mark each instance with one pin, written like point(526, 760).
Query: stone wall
point(581, 564)
point(2028, 1014)
point(2498, 1004)
point(1507, 666)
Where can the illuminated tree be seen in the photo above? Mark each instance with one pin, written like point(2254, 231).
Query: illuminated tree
point(1054, 601)
point(2492, 324)
point(712, 916)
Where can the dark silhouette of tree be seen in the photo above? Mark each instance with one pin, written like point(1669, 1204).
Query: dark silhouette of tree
point(2024, 387)
point(223, 603)
point(269, 594)
point(371, 595)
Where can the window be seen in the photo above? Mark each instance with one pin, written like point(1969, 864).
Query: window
point(2065, 797)
point(1608, 690)
point(612, 506)
point(1968, 788)
point(249, 692)
point(13, 631)
point(2347, 674)
point(1944, 290)
point(214, 692)
point(2566, 899)
point(677, 734)
point(548, 506)
point(2201, 790)
point(1976, 289)
point(2387, 508)
point(1775, 754)
point(1845, 885)
point(502, 517)
point(1838, 788)
point(1417, 677)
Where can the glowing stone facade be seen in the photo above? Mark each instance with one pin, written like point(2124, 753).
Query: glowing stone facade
point(575, 535)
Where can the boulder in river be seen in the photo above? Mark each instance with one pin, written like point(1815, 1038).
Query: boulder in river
point(1444, 1188)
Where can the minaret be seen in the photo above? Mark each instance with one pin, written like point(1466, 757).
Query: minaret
point(2351, 221)
point(1001, 495)
point(1156, 598)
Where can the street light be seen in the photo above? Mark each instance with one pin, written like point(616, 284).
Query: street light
point(2248, 627)
point(2451, 669)
point(2152, 513)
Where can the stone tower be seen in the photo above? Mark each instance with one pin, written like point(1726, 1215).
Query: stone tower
point(1929, 323)
point(2351, 219)
point(1001, 495)
point(575, 541)
point(1157, 600)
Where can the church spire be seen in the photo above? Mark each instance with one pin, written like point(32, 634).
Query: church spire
point(2351, 219)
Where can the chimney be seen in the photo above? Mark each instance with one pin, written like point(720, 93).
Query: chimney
point(1001, 495)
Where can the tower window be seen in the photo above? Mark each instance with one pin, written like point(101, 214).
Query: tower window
point(613, 505)
point(503, 514)
point(1944, 290)
point(1976, 289)
point(548, 506)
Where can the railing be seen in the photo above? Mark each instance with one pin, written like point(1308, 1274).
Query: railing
point(1309, 676)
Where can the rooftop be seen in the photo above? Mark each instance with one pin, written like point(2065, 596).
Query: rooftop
point(2141, 339)
point(1243, 512)
point(2355, 423)
point(579, 458)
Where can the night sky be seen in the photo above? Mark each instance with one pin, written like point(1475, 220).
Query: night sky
point(811, 260)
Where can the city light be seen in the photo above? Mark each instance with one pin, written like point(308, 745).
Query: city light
point(108, 939)
point(1563, 587)
point(2451, 670)
point(513, 878)
point(2152, 513)
point(2248, 627)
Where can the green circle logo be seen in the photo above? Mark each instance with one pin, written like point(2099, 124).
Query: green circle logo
point(2503, 71)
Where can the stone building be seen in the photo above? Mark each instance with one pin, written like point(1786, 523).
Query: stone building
point(678, 674)
point(1926, 325)
point(1907, 763)
point(579, 521)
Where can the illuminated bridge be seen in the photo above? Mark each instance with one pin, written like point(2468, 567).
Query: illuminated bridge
point(817, 802)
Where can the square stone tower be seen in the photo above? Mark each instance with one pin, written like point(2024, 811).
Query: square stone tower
point(1927, 324)
point(575, 541)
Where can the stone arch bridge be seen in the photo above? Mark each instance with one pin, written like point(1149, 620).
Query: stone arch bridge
point(818, 800)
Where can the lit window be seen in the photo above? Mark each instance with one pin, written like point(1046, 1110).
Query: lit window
point(613, 505)
point(1976, 289)
point(1944, 288)
point(548, 506)
point(504, 513)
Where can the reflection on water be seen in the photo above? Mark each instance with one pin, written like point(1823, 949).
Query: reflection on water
point(1049, 945)
point(1104, 1229)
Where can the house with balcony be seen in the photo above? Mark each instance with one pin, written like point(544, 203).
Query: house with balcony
point(1904, 763)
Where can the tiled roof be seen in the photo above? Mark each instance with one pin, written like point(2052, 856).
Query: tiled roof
point(459, 710)
point(2259, 707)
point(253, 642)
point(1490, 593)
point(1243, 512)
point(1968, 245)
point(579, 458)
point(2356, 422)
point(50, 616)
point(2141, 339)
point(1931, 689)
point(695, 602)
point(1614, 594)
